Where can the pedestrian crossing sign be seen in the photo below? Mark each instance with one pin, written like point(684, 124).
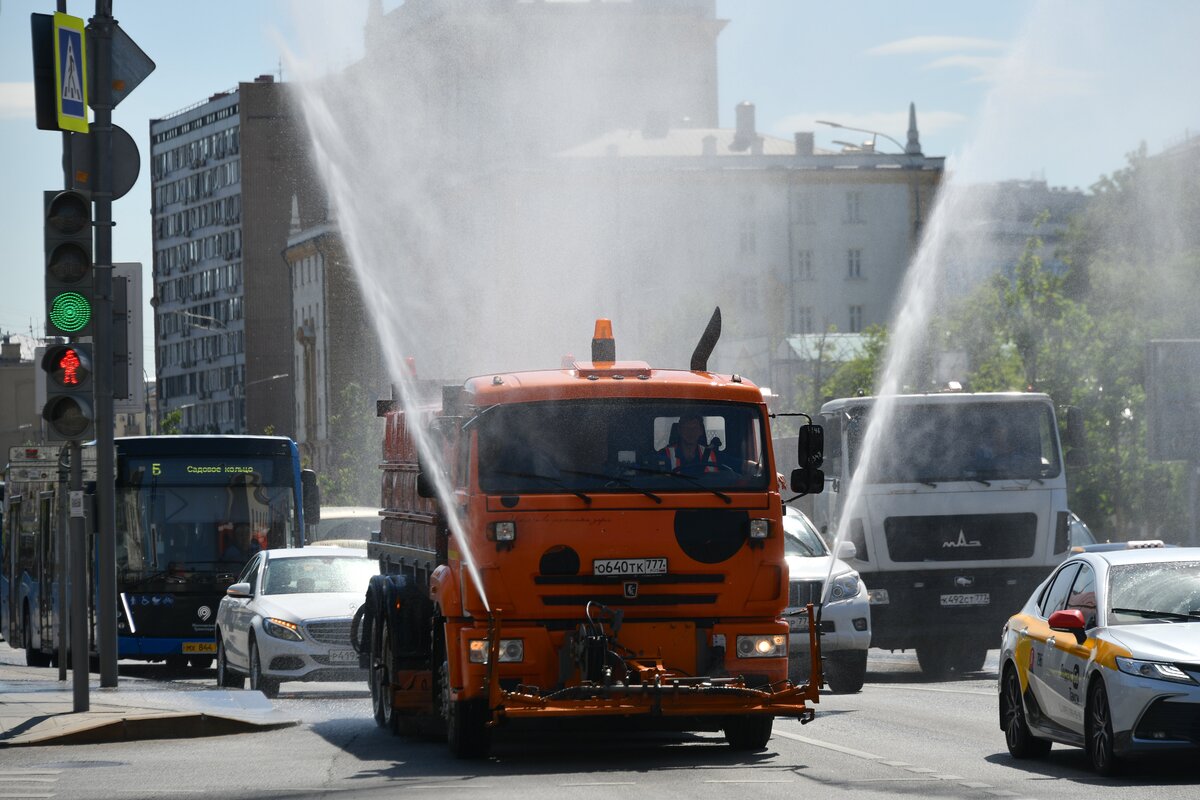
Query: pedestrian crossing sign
point(70, 73)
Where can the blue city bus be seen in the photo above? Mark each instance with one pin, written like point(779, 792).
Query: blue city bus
point(190, 511)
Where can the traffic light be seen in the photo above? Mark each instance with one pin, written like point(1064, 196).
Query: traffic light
point(70, 279)
point(68, 409)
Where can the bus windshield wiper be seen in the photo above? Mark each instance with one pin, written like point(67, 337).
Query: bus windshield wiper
point(614, 479)
point(548, 478)
point(1153, 614)
point(687, 478)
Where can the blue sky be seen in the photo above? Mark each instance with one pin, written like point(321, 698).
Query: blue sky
point(1053, 90)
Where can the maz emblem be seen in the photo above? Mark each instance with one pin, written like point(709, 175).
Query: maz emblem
point(962, 541)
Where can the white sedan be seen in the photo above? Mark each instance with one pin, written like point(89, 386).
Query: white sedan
point(287, 618)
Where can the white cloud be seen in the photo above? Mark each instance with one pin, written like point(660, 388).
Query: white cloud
point(935, 44)
point(16, 101)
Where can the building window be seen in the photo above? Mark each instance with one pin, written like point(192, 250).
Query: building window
point(856, 318)
point(802, 268)
point(802, 319)
point(854, 207)
point(854, 263)
point(802, 209)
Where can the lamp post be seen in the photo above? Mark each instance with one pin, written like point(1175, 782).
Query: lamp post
point(910, 163)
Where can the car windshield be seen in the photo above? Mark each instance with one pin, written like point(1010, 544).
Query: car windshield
point(935, 442)
point(801, 538)
point(1156, 592)
point(600, 446)
point(317, 574)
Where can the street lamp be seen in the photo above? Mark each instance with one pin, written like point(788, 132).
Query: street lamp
point(910, 164)
point(272, 378)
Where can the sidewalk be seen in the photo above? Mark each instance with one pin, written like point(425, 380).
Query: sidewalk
point(37, 709)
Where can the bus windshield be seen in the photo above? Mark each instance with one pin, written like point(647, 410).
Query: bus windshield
point(980, 441)
point(621, 446)
point(180, 516)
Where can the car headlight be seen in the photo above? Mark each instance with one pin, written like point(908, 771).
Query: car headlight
point(1153, 669)
point(281, 629)
point(768, 646)
point(844, 586)
point(511, 650)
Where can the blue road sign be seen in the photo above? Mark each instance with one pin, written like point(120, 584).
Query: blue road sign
point(70, 73)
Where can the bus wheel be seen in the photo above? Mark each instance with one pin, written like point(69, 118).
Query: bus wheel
point(33, 658)
point(747, 732)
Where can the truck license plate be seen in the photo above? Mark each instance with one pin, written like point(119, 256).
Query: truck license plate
point(199, 647)
point(980, 599)
point(629, 566)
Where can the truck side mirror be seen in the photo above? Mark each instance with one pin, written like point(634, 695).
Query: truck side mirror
point(810, 446)
point(807, 480)
point(311, 497)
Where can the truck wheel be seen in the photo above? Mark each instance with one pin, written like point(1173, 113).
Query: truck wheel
point(467, 732)
point(33, 657)
point(846, 671)
point(381, 680)
point(748, 733)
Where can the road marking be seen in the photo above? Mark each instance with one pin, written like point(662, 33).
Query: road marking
point(944, 691)
point(734, 780)
point(602, 783)
point(829, 746)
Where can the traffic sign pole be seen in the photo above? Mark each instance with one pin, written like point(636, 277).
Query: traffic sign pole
point(101, 36)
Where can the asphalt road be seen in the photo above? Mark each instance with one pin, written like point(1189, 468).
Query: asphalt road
point(901, 736)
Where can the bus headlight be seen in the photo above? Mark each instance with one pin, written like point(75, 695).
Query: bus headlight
point(762, 646)
point(281, 629)
point(511, 650)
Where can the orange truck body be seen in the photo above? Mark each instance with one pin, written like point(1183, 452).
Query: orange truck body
point(644, 596)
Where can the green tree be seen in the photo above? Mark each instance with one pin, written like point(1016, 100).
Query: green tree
point(860, 375)
point(352, 475)
point(170, 422)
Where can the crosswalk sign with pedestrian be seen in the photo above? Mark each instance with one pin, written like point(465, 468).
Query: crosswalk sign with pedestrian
point(70, 76)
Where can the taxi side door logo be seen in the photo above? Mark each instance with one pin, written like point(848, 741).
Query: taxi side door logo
point(631, 589)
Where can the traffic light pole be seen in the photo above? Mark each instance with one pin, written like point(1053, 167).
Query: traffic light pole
point(78, 584)
point(101, 27)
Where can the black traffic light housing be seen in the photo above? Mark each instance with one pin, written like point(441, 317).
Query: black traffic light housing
point(69, 409)
point(70, 276)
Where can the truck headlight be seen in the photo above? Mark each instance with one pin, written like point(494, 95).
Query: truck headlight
point(760, 528)
point(762, 646)
point(281, 629)
point(504, 531)
point(511, 650)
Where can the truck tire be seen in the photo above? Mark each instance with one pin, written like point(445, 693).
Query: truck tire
point(845, 672)
point(467, 733)
point(749, 733)
point(33, 657)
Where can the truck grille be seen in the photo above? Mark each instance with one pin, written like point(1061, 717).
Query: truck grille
point(961, 537)
point(330, 631)
point(801, 593)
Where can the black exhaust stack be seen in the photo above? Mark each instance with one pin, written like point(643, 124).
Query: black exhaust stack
point(707, 342)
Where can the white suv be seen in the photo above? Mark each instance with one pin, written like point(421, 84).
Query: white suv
point(845, 617)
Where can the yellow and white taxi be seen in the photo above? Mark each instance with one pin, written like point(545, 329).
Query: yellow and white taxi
point(1106, 656)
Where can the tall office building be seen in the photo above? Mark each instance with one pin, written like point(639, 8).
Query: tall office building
point(223, 173)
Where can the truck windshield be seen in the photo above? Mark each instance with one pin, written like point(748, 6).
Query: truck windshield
point(981, 441)
point(598, 446)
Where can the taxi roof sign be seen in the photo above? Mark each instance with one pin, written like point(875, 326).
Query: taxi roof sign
point(70, 73)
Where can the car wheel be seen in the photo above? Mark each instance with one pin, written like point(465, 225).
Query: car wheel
point(748, 733)
point(1098, 732)
point(467, 732)
point(33, 658)
point(259, 682)
point(226, 677)
point(846, 671)
point(1020, 740)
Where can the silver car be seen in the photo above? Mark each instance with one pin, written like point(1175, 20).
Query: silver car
point(287, 618)
point(1106, 656)
point(845, 628)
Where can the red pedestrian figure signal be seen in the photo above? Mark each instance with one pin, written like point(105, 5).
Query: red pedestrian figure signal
point(69, 364)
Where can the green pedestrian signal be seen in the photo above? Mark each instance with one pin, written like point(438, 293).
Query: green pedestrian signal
point(70, 280)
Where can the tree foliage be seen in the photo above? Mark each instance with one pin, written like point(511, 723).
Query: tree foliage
point(351, 476)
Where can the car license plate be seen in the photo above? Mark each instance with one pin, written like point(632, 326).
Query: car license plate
point(980, 599)
point(199, 647)
point(343, 657)
point(629, 566)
